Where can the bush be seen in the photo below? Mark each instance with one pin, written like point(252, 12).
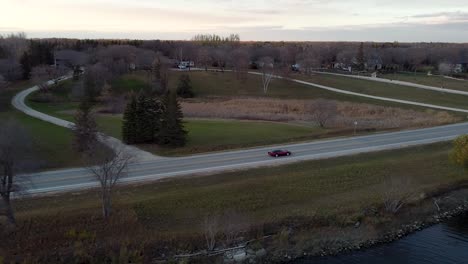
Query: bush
point(184, 88)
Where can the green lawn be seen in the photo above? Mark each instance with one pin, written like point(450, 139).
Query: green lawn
point(52, 144)
point(436, 81)
point(216, 135)
point(218, 84)
point(332, 192)
point(388, 90)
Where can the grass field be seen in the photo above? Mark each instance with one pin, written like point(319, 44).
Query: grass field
point(52, 144)
point(332, 192)
point(217, 84)
point(216, 135)
point(388, 90)
point(436, 81)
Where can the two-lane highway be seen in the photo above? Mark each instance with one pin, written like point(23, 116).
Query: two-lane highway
point(75, 179)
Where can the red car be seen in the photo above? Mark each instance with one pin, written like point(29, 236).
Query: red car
point(277, 153)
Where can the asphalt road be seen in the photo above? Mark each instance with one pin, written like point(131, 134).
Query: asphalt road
point(76, 179)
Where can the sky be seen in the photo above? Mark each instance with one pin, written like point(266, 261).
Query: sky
point(263, 20)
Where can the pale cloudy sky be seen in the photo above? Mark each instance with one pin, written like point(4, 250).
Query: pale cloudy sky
point(357, 20)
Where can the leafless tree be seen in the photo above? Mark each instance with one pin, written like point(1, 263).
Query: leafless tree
point(118, 59)
point(15, 45)
point(395, 194)
point(114, 166)
point(15, 149)
point(267, 67)
point(3, 82)
point(220, 55)
point(445, 68)
point(204, 57)
point(95, 77)
point(71, 58)
point(211, 230)
point(308, 60)
point(239, 59)
point(233, 223)
point(43, 73)
point(85, 128)
point(144, 58)
point(10, 69)
point(322, 111)
point(160, 74)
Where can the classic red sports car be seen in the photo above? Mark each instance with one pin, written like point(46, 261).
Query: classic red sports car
point(277, 153)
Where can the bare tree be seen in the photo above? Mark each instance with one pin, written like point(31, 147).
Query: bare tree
point(211, 229)
point(322, 111)
point(10, 69)
point(113, 168)
point(239, 59)
point(233, 224)
point(15, 147)
point(204, 57)
point(43, 73)
point(3, 82)
point(267, 67)
point(96, 76)
point(85, 128)
point(395, 194)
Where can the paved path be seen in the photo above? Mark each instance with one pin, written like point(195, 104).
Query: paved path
point(403, 83)
point(19, 103)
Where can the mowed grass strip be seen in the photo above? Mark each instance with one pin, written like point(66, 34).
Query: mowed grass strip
point(216, 135)
point(388, 90)
point(338, 188)
point(424, 79)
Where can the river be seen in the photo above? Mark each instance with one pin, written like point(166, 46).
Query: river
point(445, 243)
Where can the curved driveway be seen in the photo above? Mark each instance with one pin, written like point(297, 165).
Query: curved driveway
point(19, 103)
point(80, 178)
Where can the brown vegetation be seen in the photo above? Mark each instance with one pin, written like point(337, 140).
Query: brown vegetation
point(367, 116)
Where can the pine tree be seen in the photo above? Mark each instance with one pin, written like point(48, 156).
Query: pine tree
point(85, 128)
point(184, 88)
point(155, 113)
point(129, 125)
point(173, 133)
point(361, 57)
point(144, 126)
point(26, 65)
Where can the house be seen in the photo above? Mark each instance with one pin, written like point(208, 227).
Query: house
point(186, 64)
point(374, 63)
point(460, 67)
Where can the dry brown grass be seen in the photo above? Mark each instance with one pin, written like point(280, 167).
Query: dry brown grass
point(367, 116)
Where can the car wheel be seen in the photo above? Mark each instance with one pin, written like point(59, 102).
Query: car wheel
point(287, 154)
point(276, 155)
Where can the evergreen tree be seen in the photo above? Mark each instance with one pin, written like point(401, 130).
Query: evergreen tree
point(129, 125)
point(155, 112)
point(26, 65)
point(85, 128)
point(173, 133)
point(361, 57)
point(184, 88)
point(144, 126)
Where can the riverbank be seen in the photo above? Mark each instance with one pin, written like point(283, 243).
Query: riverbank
point(418, 220)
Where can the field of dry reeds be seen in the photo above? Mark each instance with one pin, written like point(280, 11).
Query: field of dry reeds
point(289, 110)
